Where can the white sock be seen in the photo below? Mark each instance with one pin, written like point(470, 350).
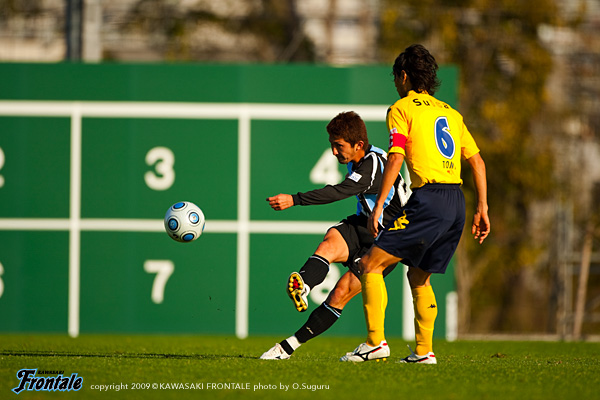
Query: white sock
point(293, 342)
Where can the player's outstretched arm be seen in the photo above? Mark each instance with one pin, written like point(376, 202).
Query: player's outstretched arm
point(481, 221)
point(281, 201)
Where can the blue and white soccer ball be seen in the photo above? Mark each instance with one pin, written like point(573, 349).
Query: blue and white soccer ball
point(184, 221)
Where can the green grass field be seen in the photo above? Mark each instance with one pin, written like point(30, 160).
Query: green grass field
point(466, 369)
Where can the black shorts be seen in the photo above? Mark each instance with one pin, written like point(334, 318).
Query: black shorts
point(427, 230)
point(359, 240)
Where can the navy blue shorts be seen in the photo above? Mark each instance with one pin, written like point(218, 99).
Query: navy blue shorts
point(427, 230)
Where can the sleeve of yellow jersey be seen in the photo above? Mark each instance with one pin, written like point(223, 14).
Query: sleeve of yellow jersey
point(468, 146)
point(398, 130)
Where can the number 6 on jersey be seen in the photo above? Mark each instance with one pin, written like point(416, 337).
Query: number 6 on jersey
point(443, 140)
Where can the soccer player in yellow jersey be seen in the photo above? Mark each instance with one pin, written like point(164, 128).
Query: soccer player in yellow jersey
point(431, 137)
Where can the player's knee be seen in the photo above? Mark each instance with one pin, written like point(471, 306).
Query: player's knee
point(327, 251)
point(417, 277)
point(332, 249)
point(362, 264)
point(366, 264)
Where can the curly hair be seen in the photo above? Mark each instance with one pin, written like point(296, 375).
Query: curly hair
point(420, 66)
point(348, 126)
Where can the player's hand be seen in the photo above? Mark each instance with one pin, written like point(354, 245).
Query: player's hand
point(481, 225)
point(373, 222)
point(281, 201)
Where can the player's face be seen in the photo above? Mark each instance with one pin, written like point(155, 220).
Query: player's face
point(344, 151)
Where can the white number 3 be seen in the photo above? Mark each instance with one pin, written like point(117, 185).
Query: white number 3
point(163, 175)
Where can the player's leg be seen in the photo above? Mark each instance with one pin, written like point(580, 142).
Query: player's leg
point(374, 292)
point(434, 260)
point(424, 302)
point(332, 249)
point(324, 316)
point(425, 307)
point(320, 320)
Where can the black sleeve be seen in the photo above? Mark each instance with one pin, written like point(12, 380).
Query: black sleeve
point(355, 183)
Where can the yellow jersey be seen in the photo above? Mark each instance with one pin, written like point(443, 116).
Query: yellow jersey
point(432, 137)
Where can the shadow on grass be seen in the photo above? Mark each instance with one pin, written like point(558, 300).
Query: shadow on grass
point(59, 354)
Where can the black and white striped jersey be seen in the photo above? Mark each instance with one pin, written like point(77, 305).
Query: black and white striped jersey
point(363, 181)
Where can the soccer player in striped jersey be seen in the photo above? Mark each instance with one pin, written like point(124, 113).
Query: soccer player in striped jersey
point(345, 242)
point(431, 137)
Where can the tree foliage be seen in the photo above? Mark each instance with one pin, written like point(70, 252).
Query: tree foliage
point(261, 30)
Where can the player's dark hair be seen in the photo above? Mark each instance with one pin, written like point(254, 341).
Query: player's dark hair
point(348, 126)
point(420, 66)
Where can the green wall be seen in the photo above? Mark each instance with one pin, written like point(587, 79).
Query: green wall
point(80, 219)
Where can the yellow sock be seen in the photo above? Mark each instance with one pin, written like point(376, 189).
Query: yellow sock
point(425, 314)
point(374, 303)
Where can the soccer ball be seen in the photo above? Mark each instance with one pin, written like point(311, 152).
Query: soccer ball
point(184, 221)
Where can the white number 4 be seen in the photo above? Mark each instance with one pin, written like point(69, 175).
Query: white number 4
point(326, 170)
point(163, 270)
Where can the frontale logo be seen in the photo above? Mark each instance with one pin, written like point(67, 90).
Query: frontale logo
point(29, 381)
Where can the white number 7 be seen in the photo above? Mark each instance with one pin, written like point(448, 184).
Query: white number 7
point(163, 270)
